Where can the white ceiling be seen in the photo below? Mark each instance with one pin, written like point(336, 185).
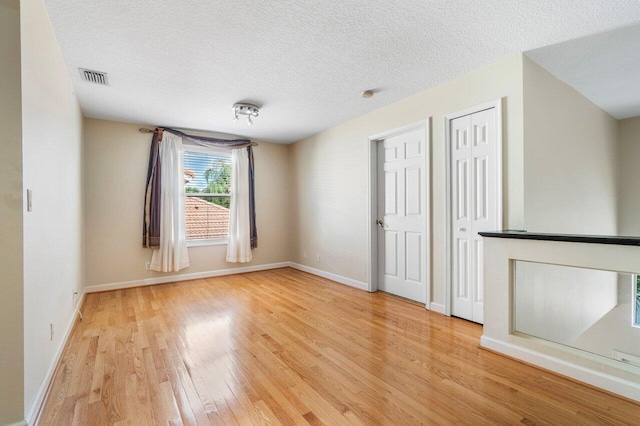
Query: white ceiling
point(184, 63)
point(604, 67)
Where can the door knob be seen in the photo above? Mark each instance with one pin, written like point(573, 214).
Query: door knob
point(380, 223)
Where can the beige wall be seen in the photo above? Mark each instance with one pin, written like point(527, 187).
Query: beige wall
point(52, 149)
point(570, 187)
point(629, 176)
point(570, 155)
point(116, 158)
point(11, 298)
point(330, 182)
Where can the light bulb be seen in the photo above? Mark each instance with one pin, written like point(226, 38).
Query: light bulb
point(249, 120)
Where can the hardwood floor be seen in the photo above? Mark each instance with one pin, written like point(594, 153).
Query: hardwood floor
point(286, 347)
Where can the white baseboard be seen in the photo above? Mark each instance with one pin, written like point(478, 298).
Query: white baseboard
point(590, 376)
point(331, 276)
point(183, 277)
point(46, 381)
point(221, 272)
point(437, 307)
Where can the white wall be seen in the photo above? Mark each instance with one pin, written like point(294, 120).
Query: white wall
point(614, 331)
point(570, 156)
point(116, 159)
point(559, 303)
point(52, 150)
point(11, 298)
point(629, 176)
point(329, 172)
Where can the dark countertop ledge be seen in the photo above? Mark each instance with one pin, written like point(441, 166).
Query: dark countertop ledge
point(595, 239)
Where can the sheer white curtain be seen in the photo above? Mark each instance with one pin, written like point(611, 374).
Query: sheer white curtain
point(172, 254)
point(239, 246)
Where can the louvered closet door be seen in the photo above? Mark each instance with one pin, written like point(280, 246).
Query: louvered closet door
point(474, 207)
point(401, 208)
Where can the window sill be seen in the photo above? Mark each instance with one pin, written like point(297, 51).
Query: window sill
point(211, 242)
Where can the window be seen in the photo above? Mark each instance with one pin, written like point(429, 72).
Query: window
point(207, 176)
point(636, 301)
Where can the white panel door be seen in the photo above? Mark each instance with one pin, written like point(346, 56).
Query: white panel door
point(401, 215)
point(474, 186)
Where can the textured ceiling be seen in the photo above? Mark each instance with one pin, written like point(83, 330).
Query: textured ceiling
point(184, 63)
point(603, 67)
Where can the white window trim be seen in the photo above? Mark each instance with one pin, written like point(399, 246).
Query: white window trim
point(208, 242)
point(189, 147)
point(628, 358)
point(205, 150)
point(634, 296)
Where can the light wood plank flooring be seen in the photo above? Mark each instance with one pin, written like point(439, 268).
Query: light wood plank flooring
point(285, 347)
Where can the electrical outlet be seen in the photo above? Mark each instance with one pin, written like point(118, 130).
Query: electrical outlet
point(147, 266)
point(318, 258)
point(51, 331)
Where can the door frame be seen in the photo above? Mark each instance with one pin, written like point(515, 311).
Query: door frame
point(372, 243)
point(497, 104)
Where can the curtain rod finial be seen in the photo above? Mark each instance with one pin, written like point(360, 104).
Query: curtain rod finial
point(158, 130)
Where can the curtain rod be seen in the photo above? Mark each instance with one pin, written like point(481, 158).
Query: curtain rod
point(145, 130)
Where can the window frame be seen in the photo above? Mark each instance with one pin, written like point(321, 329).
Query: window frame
point(635, 301)
point(190, 147)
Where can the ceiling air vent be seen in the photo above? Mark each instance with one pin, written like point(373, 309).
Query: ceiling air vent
point(96, 77)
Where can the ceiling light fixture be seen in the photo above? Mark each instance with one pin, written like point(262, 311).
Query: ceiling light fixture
point(249, 110)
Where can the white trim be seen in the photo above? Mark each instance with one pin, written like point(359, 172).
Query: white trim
point(437, 307)
point(400, 130)
point(628, 358)
point(193, 147)
point(593, 377)
point(38, 401)
point(208, 242)
point(497, 104)
point(372, 235)
point(372, 207)
point(183, 277)
point(634, 298)
point(221, 272)
point(330, 276)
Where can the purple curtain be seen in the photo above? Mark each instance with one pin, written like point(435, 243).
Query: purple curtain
point(252, 201)
point(211, 142)
point(151, 228)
